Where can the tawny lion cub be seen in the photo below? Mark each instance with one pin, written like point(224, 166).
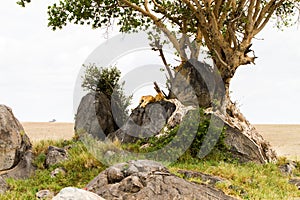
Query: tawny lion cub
point(150, 99)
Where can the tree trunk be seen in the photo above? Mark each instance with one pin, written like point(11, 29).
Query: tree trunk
point(211, 92)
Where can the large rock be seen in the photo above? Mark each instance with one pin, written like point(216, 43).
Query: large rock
point(197, 83)
point(76, 194)
point(15, 148)
point(247, 148)
point(94, 116)
point(144, 122)
point(144, 179)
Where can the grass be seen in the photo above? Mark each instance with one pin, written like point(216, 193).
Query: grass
point(81, 168)
point(245, 181)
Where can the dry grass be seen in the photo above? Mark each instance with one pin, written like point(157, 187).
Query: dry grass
point(284, 138)
point(38, 131)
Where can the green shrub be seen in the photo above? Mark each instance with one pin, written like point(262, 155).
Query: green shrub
point(106, 81)
point(180, 136)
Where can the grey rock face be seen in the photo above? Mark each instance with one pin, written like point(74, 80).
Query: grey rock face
point(248, 148)
point(145, 122)
point(15, 149)
point(196, 84)
point(94, 116)
point(13, 140)
point(55, 155)
point(145, 179)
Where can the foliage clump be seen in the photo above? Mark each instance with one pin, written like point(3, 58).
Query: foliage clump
point(97, 79)
point(107, 81)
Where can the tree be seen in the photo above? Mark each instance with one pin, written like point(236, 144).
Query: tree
point(225, 27)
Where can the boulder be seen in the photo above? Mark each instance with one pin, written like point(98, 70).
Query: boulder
point(247, 148)
point(145, 179)
point(94, 116)
point(15, 148)
point(13, 140)
point(55, 155)
point(144, 122)
point(76, 194)
point(196, 83)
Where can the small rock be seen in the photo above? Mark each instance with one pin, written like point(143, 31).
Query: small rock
point(131, 184)
point(57, 171)
point(210, 179)
point(288, 167)
point(44, 194)
point(55, 155)
point(114, 175)
point(71, 193)
point(295, 181)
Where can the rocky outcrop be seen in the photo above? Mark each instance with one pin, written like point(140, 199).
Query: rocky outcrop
point(144, 122)
point(144, 179)
point(94, 116)
point(15, 148)
point(76, 194)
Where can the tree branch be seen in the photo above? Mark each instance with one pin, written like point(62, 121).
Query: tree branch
point(268, 17)
point(162, 55)
point(160, 25)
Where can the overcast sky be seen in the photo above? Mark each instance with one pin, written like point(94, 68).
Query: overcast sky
point(39, 67)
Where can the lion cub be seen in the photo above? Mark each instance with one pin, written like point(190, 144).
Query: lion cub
point(150, 99)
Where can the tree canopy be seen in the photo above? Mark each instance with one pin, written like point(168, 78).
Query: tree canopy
point(225, 27)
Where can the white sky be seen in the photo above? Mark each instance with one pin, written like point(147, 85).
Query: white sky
point(39, 67)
